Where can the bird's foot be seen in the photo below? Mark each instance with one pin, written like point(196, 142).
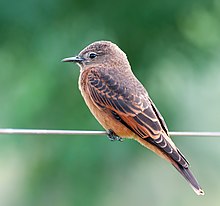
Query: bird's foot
point(113, 137)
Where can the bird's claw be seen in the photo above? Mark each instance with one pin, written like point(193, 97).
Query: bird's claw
point(113, 137)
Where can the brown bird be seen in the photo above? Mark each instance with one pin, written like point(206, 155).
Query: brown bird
point(122, 105)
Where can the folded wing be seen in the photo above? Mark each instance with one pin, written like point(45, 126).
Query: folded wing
point(135, 109)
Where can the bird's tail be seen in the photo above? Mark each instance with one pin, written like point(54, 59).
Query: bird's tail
point(187, 174)
point(167, 150)
point(176, 158)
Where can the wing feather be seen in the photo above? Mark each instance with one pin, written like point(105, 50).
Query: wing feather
point(138, 113)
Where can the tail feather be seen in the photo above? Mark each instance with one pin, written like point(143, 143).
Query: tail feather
point(187, 174)
point(180, 163)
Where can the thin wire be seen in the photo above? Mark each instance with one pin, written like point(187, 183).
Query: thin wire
point(79, 132)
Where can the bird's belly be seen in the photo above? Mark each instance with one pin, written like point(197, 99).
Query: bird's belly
point(106, 119)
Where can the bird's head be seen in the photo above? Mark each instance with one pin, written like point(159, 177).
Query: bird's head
point(100, 54)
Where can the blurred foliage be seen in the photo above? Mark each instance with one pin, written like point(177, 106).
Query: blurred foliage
point(173, 47)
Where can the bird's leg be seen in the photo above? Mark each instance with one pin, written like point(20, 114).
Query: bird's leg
point(112, 136)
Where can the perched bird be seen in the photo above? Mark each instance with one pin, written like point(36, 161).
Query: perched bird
point(122, 105)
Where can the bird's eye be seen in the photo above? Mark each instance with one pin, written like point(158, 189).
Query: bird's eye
point(92, 55)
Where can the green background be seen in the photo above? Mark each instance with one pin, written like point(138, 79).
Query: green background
point(174, 49)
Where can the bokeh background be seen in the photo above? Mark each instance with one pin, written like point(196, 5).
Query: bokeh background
point(174, 49)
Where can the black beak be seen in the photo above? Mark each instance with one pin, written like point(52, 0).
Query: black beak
point(75, 59)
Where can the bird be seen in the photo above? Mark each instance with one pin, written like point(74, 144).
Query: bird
point(122, 105)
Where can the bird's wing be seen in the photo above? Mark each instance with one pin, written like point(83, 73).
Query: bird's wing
point(134, 109)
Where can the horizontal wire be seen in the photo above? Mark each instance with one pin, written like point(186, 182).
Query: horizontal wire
point(79, 132)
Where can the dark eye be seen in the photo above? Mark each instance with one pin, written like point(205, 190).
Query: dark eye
point(92, 55)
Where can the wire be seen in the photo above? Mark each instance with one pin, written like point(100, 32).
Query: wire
point(79, 132)
point(50, 132)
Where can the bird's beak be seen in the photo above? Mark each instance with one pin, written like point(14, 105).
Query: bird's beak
point(75, 59)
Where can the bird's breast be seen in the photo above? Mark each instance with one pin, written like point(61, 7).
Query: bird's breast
point(103, 115)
